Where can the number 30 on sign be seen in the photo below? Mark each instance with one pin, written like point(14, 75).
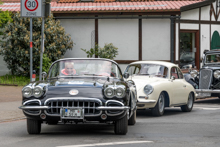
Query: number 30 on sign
point(31, 8)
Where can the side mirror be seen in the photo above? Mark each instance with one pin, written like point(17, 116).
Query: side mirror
point(173, 78)
point(44, 75)
point(126, 75)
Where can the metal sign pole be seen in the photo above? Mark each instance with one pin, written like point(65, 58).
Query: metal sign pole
point(42, 48)
point(31, 49)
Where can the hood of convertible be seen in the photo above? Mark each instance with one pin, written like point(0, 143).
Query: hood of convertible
point(75, 87)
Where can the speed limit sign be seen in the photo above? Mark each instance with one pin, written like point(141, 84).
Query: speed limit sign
point(32, 8)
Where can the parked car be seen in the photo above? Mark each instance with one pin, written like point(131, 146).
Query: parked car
point(207, 80)
point(159, 85)
point(80, 90)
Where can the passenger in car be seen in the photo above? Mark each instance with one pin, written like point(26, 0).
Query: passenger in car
point(69, 69)
point(106, 69)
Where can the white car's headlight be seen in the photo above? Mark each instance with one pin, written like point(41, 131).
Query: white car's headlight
point(148, 89)
point(38, 91)
point(217, 74)
point(194, 73)
point(27, 92)
point(119, 92)
point(109, 92)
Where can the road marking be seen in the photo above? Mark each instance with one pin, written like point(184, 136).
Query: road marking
point(110, 143)
point(203, 108)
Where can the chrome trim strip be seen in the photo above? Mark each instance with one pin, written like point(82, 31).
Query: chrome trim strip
point(207, 91)
point(34, 100)
point(180, 104)
point(146, 101)
point(33, 107)
point(73, 98)
point(122, 105)
point(113, 108)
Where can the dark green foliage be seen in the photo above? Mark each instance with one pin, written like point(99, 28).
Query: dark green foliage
point(5, 17)
point(108, 51)
point(16, 50)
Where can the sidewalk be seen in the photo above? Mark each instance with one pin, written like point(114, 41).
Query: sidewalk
point(10, 100)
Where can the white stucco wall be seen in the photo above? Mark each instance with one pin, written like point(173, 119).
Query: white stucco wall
point(123, 33)
point(186, 26)
point(205, 13)
point(191, 14)
point(204, 38)
point(3, 67)
point(80, 31)
point(156, 39)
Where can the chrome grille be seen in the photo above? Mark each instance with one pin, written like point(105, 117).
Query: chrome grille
point(32, 103)
point(88, 104)
point(205, 79)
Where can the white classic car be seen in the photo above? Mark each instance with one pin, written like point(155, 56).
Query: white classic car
point(160, 84)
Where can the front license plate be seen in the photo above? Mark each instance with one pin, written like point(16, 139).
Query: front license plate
point(72, 113)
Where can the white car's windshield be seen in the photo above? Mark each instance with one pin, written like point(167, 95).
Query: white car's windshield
point(212, 58)
point(84, 67)
point(147, 69)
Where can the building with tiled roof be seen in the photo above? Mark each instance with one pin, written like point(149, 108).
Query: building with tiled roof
point(176, 31)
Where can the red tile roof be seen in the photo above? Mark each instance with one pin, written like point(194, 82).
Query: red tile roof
point(154, 6)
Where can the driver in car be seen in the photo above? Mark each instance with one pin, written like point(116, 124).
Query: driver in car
point(69, 69)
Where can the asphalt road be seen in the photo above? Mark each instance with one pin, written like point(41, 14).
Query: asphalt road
point(199, 128)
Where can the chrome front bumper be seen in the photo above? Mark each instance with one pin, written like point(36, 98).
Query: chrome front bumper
point(98, 108)
point(206, 91)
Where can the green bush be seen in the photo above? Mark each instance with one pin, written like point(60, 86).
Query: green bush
point(46, 63)
point(108, 51)
point(16, 51)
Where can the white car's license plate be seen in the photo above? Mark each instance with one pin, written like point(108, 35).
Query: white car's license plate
point(72, 113)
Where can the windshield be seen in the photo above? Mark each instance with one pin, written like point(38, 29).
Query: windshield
point(84, 67)
point(147, 69)
point(212, 58)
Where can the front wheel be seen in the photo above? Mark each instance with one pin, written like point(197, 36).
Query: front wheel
point(158, 110)
point(132, 119)
point(188, 107)
point(33, 126)
point(121, 126)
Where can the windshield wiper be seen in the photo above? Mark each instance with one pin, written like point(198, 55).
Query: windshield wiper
point(92, 74)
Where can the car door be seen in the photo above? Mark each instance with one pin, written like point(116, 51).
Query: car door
point(178, 92)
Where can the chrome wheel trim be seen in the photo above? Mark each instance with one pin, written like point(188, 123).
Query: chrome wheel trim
point(190, 101)
point(161, 103)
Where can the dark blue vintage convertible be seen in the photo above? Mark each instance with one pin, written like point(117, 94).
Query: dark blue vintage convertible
point(81, 90)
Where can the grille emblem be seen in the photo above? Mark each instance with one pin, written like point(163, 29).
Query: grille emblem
point(73, 92)
point(205, 77)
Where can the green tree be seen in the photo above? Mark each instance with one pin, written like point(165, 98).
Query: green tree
point(108, 51)
point(16, 50)
point(5, 17)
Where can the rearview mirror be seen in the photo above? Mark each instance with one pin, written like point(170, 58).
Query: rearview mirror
point(44, 75)
point(173, 78)
point(126, 75)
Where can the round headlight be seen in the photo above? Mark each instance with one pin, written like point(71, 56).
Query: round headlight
point(148, 89)
point(27, 92)
point(109, 92)
point(194, 73)
point(217, 74)
point(37, 92)
point(120, 92)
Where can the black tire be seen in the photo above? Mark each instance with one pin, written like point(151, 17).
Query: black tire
point(121, 126)
point(132, 119)
point(33, 126)
point(188, 107)
point(158, 110)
